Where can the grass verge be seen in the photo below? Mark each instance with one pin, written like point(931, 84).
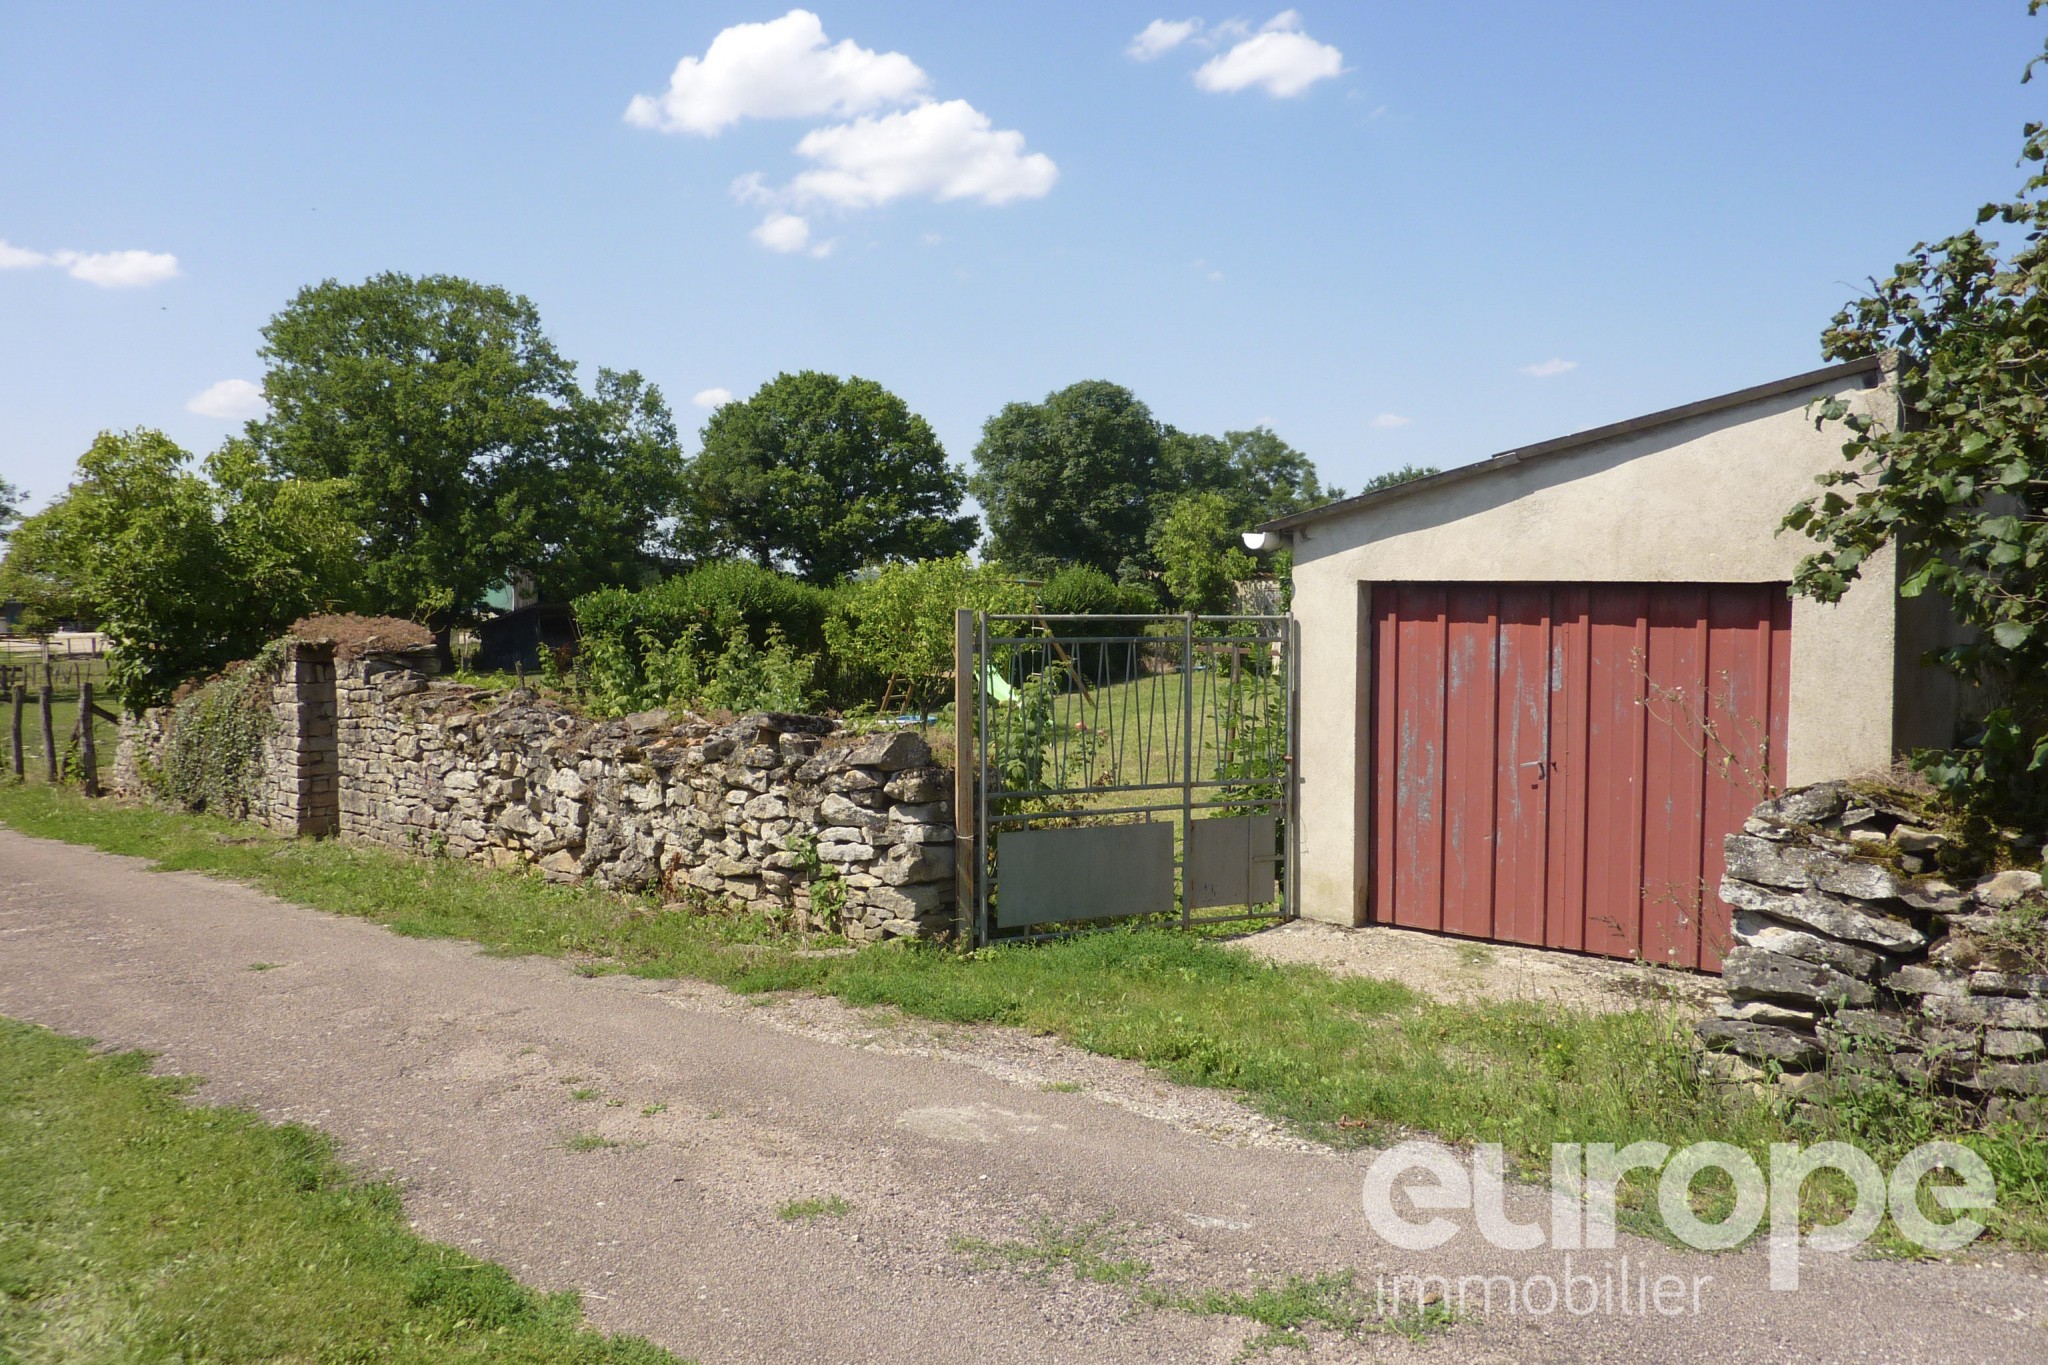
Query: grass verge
point(1350, 1059)
point(134, 1226)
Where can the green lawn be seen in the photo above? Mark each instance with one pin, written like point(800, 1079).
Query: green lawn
point(1350, 1059)
point(137, 1227)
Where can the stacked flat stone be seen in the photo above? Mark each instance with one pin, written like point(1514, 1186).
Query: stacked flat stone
point(765, 812)
point(1849, 956)
point(754, 812)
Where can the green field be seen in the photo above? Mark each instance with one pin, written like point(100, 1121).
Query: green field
point(66, 674)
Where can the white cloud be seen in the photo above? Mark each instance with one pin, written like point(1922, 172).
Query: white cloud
point(1387, 421)
point(1160, 37)
point(871, 156)
point(117, 269)
point(107, 269)
point(780, 69)
point(712, 398)
point(788, 234)
point(940, 151)
point(1280, 59)
point(783, 232)
point(231, 400)
point(1551, 368)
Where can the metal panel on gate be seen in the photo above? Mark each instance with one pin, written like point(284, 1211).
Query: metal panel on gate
point(1229, 861)
point(1093, 872)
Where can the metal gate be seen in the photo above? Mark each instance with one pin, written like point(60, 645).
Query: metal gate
point(1113, 767)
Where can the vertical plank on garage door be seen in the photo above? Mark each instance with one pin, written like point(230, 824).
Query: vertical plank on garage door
point(1675, 776)
point(1781, 680)
point(1521, 763)
point(1387, 600)
point(1737, 734)
point(1564, 897)
point(1471, 692)
point(1419, 759)
point(1617, 648)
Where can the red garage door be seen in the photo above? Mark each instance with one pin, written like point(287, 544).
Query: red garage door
point(1557, 764)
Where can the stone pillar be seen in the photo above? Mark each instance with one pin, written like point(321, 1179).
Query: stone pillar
point(304, 771)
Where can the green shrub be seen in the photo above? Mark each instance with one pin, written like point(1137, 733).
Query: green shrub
point(742, 677)
point(717, 599)
point(730, 634)
point(1081, 589)
point(891, 641)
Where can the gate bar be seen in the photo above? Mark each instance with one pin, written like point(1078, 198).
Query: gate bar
point(966, 831)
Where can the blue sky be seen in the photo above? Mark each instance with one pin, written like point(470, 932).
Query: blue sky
point(1671, 200)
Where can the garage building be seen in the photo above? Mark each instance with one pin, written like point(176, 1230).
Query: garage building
point(1537, 691)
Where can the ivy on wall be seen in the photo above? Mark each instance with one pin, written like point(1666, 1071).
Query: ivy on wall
point(212, 756)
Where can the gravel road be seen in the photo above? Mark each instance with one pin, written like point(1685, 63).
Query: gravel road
point(455, 1073)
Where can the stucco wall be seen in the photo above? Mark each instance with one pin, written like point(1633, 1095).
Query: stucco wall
point(1695, 501)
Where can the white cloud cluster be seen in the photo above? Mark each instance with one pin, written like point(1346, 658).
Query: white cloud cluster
point(712, 398)
point(231, 400)
point(936, 151)
point(1279, 58)
point(1551, 368)
point(1389, 421)
point(780, 69)
point(787, 69)
point(107, 269)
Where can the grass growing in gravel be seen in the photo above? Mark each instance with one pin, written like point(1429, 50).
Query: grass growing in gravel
point(1351, 1059)
point(1097, 1252)
point(811, 1210)
point(136, 1227)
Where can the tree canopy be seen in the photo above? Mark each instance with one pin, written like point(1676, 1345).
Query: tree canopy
point(1959, 485)
point(463, 447)
point(1071, 480)
point(824, 476)
point(1090, 476)
point(183, 573)
point(10, 507)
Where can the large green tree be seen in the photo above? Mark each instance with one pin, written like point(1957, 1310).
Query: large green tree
point(465, 450)
point(1258, 475)
point(1071, 480)
point(822, 476)
point(1959, 484)
point(10, 507)
point(184, 573)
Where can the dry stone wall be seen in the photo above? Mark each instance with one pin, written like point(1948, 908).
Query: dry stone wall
point(784, 814)
point(1853, 958)
point(294, 790)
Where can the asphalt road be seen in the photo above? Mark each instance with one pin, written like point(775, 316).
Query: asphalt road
point(455, 1073)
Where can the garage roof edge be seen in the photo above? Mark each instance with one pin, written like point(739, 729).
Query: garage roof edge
point(1509, 458)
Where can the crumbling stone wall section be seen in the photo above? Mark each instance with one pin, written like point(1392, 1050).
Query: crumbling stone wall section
point(779, 813)
point(1850, 958)
point(294, 789)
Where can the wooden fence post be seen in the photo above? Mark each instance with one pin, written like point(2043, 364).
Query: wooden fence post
point(44, 700)
point(88, 757)
point(20, 691)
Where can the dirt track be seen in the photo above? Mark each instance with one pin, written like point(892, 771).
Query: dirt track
point(454, 1072)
